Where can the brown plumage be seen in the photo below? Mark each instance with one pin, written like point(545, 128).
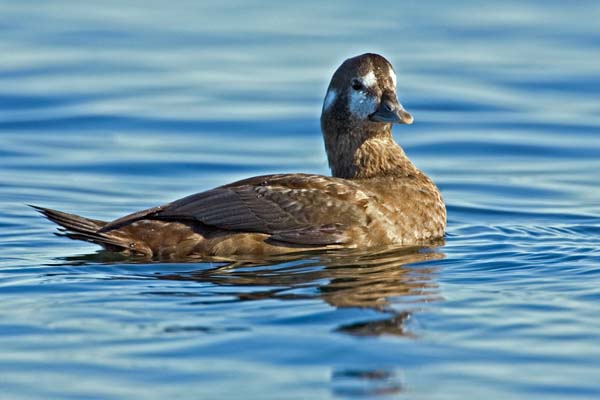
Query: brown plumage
point(376, 195)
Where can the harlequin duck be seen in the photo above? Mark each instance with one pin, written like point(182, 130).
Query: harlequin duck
point(376, 196)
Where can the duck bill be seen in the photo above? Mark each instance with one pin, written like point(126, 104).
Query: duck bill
point(390, 111)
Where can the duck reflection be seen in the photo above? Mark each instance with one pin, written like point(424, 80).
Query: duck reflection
point(382, 280)
point(392, 281)
point(366, 382)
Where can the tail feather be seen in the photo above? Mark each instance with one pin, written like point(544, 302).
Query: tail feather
point(80, 228)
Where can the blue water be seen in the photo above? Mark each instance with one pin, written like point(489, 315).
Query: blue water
point(111, 107)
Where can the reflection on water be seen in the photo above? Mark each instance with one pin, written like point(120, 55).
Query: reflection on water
point(351, 279)
point(380, 280)
point(346, 278)
point(394, 283)
point(367, 383)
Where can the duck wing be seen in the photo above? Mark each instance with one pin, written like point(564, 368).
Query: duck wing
point(294, 208)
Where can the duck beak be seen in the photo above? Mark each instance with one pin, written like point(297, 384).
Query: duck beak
point(391, 111)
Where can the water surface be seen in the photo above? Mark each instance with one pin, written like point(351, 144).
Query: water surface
point(113, 107)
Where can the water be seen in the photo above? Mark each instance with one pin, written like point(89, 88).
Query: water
point(121, 105)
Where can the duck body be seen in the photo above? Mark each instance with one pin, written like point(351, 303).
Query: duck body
point(376, 196)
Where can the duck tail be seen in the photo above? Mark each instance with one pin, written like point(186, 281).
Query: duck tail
point(81, 228)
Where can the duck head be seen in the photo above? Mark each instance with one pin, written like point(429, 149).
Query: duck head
point(360, 104)
point(363, 91)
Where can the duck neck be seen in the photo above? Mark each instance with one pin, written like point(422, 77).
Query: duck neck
point(360, 154)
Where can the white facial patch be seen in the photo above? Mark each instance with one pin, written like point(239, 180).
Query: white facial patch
point(361, 105)
point(369, 80)
point(329, 99)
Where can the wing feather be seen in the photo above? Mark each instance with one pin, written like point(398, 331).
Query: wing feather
point(295, 208)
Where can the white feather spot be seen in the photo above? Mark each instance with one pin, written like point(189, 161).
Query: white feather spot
point(369, 79)
point(361, 105)
point(329, 99)
point(393, 76)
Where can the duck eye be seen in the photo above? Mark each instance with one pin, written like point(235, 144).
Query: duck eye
point(356, 84)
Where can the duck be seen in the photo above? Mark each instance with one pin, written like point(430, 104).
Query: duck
point(374, 197)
